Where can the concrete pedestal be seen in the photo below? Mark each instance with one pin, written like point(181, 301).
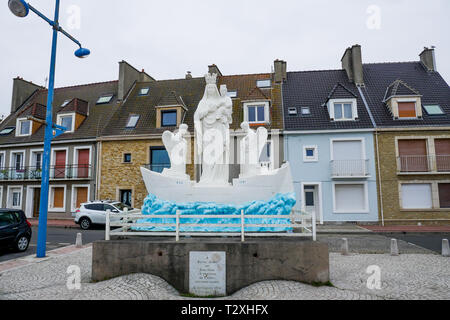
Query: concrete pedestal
point(249, 262)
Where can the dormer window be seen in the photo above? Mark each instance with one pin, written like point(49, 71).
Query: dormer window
point(143, 92)
point(23, 127)
point(105, 99)
point(256, 112)
point(407, 109)
point(433, 110)
point(343, 110)
point(66, 121)
point(132, 121)
point(263, 83)
point(169, 118)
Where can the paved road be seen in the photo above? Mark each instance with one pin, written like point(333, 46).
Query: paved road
point(56, 238)
point(431, 241)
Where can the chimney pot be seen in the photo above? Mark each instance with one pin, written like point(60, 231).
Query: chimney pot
point(280, 72)
point(428, 59)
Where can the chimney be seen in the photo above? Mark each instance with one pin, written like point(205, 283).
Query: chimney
point(128, 75)
point(188, 75)
point(214, 69)
point(352, 64)
point(280, 74)
point(428, 59)
point(22, 90)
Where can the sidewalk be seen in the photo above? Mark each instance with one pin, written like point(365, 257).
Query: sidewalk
point(59, 223)
point(408, 229)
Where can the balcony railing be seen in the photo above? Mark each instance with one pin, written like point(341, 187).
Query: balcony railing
point(157, 167)
point(75, 172)
point(350, 168)
point(422, 164)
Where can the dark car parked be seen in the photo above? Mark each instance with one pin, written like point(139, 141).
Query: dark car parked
point(15, 230)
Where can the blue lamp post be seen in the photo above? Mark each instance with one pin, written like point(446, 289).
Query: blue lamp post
point(21, 9)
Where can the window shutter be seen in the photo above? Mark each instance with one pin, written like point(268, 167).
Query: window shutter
point(407, 110)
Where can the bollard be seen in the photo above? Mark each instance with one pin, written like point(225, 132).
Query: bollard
point(394, 247)
point(445, 248)
point(344, 248)
point(79, 241)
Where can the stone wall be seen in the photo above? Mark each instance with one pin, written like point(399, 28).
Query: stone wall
point(390, 183)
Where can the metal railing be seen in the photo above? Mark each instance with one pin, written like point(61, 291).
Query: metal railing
point(157, 167)
point(350, 168)
point(56, 172)
point(424, 163)
point(303, 223)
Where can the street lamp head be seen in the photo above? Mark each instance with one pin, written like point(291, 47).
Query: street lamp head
point(18, 7)
point(82, 53)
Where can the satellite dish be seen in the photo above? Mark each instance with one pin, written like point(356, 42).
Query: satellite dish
point(19, 8)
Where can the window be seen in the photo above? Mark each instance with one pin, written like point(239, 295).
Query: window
point(127, 158)
point(416, 196)
point(310, 154)
point(57, 198)
point(37, 160)
point(95, 206)
point(263, 83)
point(169, 118)
point(256, 112)
point(24, 127)
point(413, 155)
point(132, 121)
point(306, 111)
point(143, 92)
point(343, 111)
point(442, 148)
point(407, 110)
point(2, 162)
point(65, 103)
point(105, 99)
point(433, 110)
point(15, 198)
point(292, 111)
point(7, 219)
point(17, 160)
point(67, 122)
point(159, 159)
point(266, 156)
point(7, 131)
point(232, 94)
point(444, 195)
point(350, 198)
point(80, 195)
point(126, 197)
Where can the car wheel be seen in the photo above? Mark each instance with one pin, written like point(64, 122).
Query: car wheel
point(85, 223)
point(22, 244)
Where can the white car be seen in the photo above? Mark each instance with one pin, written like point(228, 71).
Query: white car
point(94, 212)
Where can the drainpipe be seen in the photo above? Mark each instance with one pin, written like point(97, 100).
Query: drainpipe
point(377, 150)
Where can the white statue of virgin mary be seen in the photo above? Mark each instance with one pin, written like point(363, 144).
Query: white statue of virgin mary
point(212, 122)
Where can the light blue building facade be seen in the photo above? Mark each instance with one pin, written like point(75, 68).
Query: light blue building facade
point(334, 174)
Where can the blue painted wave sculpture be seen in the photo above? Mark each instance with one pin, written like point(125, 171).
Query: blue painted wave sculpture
point(281, 205)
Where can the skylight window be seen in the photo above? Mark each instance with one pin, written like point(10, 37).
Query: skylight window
point(292, 111)
point(132, 121)
point(263, 83)
point(144, 91)
point(306, 111)
point(7, 131)
point(66, 102)
point(232, 93)
point(105, 99)
point(433, 110)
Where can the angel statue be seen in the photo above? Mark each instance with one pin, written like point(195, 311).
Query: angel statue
point(251, 147)
point(176, 147)
point(212, 123)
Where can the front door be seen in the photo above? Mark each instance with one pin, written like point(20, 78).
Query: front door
point(125, 197)
point(311, 201)
point(36, 201)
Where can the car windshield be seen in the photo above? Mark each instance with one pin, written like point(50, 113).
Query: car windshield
point(121, 206)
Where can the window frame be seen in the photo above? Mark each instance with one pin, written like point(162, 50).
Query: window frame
point(401, 200)
point(111, 95)
point(9, 199)
point(19, 127)
point(140, 94)
point(307, 158)
point(292, 111)
point(234, 95)
point(434, 114)
point(59, 119)
point(264, 104)
point(52, 198)
point(124, 157)
point(74, 194)
point(128, 126)
point(263, 80)
point(366, 209)
point(352, 102)
point(169, 111)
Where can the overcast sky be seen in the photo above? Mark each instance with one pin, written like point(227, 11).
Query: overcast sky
point(168, 38)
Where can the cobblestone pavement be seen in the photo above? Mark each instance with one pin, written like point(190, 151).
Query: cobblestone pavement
point(408, 276)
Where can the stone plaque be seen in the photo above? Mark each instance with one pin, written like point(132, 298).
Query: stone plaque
point(207, 273)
